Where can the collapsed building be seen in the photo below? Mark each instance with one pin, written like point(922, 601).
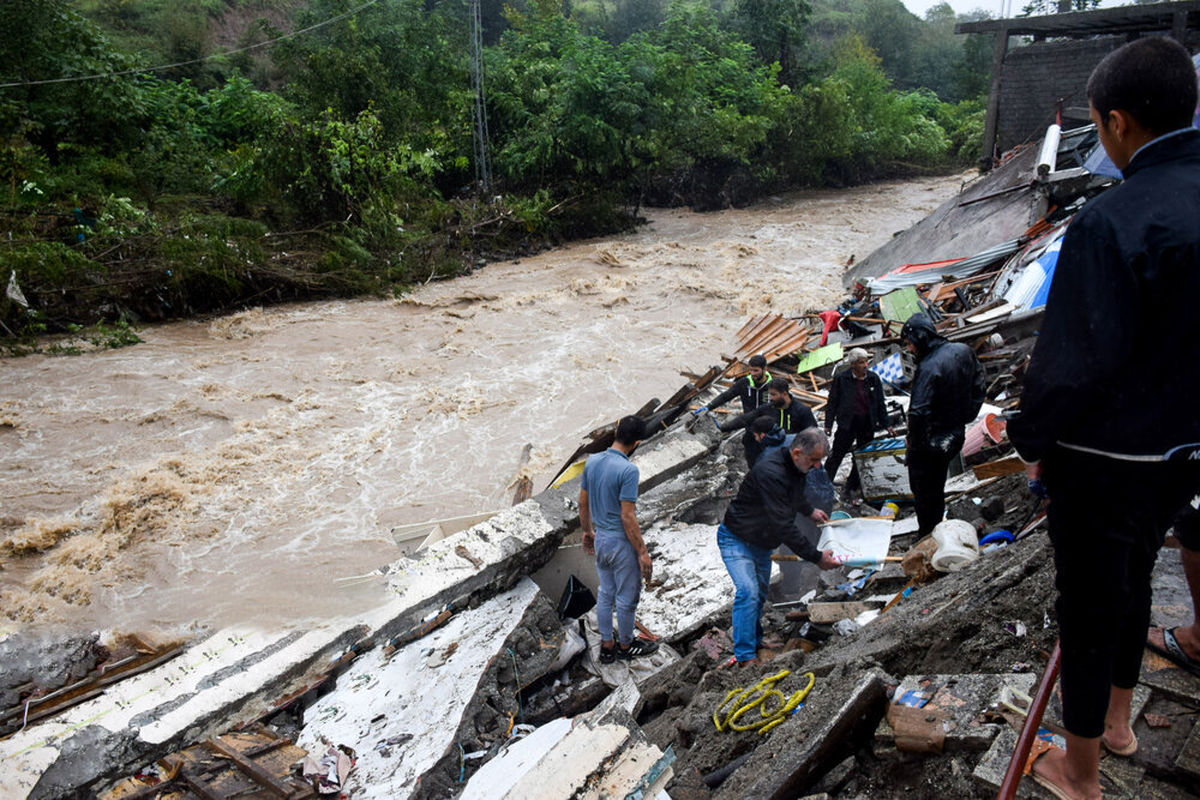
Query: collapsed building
point(479, 676)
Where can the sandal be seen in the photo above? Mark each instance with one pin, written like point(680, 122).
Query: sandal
point(1040, 748)
point(1173, 651)
point(1123, 752)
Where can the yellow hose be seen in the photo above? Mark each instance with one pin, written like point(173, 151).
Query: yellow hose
point(743, 700)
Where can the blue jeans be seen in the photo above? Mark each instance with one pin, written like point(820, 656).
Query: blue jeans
point(750, 568)
point(620, 585)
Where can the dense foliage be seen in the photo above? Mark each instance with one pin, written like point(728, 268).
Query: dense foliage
point(293, 149)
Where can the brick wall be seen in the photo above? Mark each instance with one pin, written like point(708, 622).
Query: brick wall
point(1034, 77)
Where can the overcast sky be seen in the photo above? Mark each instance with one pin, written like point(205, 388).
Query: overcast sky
point(1011, 8)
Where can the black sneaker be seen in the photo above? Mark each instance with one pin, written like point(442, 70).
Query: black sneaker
point(638, 647)
point(608, 654)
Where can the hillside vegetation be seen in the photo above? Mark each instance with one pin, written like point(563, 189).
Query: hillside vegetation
point(325, 148)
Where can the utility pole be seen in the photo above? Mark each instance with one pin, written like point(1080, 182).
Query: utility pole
point(483, 171)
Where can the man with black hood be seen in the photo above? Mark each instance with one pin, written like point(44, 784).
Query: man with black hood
point(947, 393)
point(1108, 417)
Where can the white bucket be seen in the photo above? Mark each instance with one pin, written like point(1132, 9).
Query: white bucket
point(957, 545)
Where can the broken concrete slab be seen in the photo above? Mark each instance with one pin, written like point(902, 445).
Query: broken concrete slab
point(418, 698)
point(1164, 675)
point(989, 772)
point(691, 587)
point(599, 754)
point(230, 678)
point(958, 701)
point(813, 741)
point(1188, 760)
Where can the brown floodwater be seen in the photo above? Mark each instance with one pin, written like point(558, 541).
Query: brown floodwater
point(230, 470)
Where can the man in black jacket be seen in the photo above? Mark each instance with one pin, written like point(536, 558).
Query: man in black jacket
point(947, 393)
point(761, 517)
point(856, 404)
point(751, 388)
point(791, 415)
point(1108, 416)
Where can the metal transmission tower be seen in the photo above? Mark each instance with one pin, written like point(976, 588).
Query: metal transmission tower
point(483, 171)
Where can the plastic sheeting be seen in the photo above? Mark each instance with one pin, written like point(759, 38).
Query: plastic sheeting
point(1031, 284)
point(914, 274)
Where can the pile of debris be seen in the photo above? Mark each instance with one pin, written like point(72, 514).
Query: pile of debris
point(479, 676)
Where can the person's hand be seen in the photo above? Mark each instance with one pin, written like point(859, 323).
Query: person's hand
point(589, 542)
point(700, 410)
point(891, 432)
point(646, 565)
point(1034, 471)
point(818, 516)
point(828, 560)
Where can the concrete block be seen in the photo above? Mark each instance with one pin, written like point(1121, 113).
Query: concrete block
point(1163, 675)
point(812, 742)
point(958, 700)
point(1120, 778)
point(599, 754)
point(470, 565)
point(691, 587)
point(379, 699)
point(990, 770)
point(232, 677)
point(1188, 760)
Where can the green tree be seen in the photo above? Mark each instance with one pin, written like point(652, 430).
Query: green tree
point(775, 28)
point(561, 104)
point(47, 40)
point(710, 99)
point(406, 60)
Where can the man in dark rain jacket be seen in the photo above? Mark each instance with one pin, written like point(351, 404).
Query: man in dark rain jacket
point(761, 517)
point(856, 405)
point(947, 393)
point(1109, 419)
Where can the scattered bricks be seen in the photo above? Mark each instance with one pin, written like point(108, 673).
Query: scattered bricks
point(956, 703)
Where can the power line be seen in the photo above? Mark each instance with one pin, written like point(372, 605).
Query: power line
point(222, 54)
point(483, 171)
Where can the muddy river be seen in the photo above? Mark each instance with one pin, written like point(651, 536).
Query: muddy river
point(231, 469)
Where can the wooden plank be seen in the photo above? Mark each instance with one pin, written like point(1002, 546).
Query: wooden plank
point(833, 612)
point(747, 343)
point(999, 468)
point(252, 770)
point(753, 325)
point(779, 329)
point(783, 340)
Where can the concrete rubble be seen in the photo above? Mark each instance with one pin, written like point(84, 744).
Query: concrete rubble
point(468, 682)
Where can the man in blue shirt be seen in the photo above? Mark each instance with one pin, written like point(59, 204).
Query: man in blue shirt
point(608, 516)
